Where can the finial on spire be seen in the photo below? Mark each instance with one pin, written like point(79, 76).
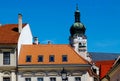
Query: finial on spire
point(77, 14)
point(76, 6)
point(77, 10)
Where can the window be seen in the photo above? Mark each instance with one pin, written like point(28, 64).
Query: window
point(6, 79)
point(84, 44)
point(95, 79)
point(40, 58)
point(52, 79)
point(94, 70)
point(77, 78)
point(28, 58)
point(27, 79)
point(6, 58)
point(39, 79)
point(51, 58)
point(117, 79)
point(82, 50)
point(80, 45)
point(64, 58)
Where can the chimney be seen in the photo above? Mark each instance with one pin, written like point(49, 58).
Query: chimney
point(0, 24)
point(19, 22)
point(49, 42)
point(36, 42)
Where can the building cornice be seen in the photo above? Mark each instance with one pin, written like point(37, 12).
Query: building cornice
point(54, 65)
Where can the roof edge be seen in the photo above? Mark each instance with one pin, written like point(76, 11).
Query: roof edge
point(54, 65)
point(79, 55)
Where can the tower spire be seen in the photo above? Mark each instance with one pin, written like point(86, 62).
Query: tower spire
point(77, 14)
point(77, 7)
point(78, 39)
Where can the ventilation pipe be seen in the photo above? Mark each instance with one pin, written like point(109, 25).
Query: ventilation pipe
point(0, 25)
point(49, 42)
point(36, 42)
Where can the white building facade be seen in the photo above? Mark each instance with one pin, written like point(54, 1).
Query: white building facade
point(46, 73)
point(12, 36)
point(51, 62)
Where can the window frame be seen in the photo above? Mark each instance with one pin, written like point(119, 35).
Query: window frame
point(6, 78)
point(6, 58)
point(40, 78)
point(64, 58)
point(40, 58)
point(52, 58)
point(27, 79)
point(77, 78)
point(52, 78)
point(28, 58)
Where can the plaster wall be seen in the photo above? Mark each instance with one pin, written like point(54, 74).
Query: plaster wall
point(25, 37)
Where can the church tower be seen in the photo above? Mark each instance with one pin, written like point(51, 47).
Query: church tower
point(78, 39)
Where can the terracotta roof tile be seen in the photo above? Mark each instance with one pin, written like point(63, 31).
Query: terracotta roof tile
point(9, 34)
point(104, 66)
point(49, 49)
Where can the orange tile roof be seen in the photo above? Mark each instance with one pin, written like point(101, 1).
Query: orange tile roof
point(49, 49)
point(104, 66)
point(9, 34)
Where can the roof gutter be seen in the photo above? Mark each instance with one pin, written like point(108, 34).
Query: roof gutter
point(54, 65)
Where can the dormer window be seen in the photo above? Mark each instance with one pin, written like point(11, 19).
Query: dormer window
point(64, 58)
point(40, 58)
point(51, 58)
point(28, 58)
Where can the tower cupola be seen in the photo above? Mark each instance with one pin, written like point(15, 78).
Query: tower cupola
point(77, 28)
point(78, 39)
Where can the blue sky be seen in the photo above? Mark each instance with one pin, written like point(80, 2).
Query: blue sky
point(52, 19)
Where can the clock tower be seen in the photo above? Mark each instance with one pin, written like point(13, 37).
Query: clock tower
point(78, 39)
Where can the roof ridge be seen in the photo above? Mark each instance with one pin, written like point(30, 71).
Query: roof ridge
point(104, 60)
